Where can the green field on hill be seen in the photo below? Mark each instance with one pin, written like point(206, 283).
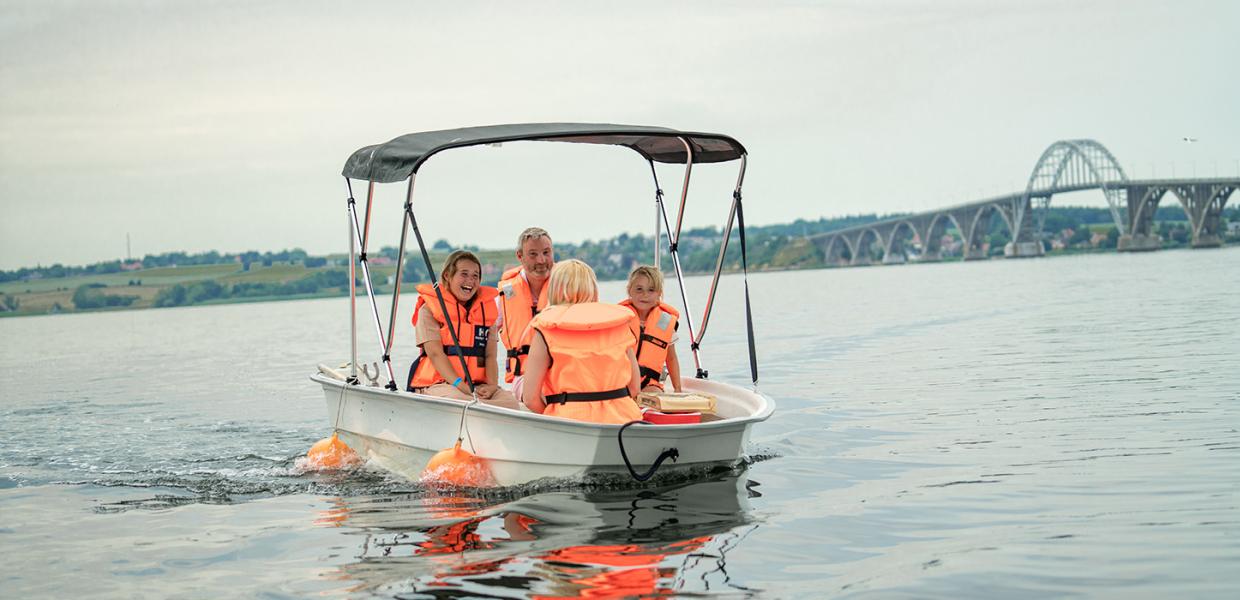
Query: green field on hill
point(142, 288)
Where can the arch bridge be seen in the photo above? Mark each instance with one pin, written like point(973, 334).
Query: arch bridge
point(1065, 166)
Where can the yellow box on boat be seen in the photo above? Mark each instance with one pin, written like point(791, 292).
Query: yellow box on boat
point(674, 402)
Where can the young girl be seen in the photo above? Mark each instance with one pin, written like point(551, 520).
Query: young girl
point(659, 321)
point(581, 364)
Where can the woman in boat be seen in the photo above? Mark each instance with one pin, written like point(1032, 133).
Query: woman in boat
point(471, 308)
point(582, 363)
point(656, 347)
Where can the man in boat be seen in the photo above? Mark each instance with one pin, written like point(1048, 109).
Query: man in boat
point(523, 294)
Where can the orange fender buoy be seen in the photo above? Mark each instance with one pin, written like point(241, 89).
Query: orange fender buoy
point(458, 467)
point(331, 453)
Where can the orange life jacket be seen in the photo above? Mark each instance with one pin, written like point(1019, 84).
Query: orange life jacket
point(656, 336)
point(589, 373)
point(518, 306)
point(473, 327)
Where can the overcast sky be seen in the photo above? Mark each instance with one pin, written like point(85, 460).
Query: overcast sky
point(224, 125)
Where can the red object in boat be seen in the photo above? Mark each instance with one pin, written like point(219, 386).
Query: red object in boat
point(662, 418)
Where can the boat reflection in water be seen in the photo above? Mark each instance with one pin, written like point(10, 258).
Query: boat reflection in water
point(559, 544)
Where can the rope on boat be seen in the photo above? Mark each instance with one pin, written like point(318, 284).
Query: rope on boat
point(462, 430)
point(339, 408)
point(667, 453)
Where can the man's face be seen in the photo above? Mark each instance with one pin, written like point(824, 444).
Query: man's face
point(537, 257)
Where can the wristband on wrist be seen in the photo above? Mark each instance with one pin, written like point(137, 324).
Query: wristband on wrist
point(457, 382)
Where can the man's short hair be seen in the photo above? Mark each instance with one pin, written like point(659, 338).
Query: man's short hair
point(531, 233)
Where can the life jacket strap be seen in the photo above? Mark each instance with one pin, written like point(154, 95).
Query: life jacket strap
point(649, 375)
point(516, 354)
point(646, 337)
point(467, 351)
point(566, 397)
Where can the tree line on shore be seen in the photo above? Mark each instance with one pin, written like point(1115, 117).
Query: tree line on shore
point(780, 246)
point(199, 292)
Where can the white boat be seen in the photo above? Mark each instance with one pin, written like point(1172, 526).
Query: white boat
point(400, 430)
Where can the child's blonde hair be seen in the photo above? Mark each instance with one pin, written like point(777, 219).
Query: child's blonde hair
point(652, 273)
point(571, 282)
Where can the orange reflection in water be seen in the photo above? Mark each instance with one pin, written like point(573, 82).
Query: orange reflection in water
point(453, 538)
point(559, 548)
point(335, 516)
point(578, 571)
point(609, 571)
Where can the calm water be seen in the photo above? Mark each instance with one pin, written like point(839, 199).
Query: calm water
point(1043, 428)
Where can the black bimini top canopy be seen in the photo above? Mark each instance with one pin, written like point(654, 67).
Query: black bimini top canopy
point(398, 159)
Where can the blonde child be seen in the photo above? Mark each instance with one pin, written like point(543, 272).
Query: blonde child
point(656, 346)
point(581, 364)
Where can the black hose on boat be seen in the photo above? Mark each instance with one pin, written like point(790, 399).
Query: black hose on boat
point(671, 453)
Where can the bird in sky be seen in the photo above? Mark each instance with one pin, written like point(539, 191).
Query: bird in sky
point(1190, 139)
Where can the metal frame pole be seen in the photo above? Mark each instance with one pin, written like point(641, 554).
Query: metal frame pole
point(370, 291)
point(727, 234)
point(673, 242)
point(400, 260)
point(658, 213)
point(352, 293)
point(365, 233)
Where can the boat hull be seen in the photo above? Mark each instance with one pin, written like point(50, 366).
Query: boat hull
point(400, 431)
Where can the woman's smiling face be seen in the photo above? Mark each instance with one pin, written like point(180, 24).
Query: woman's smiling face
point(464, 282)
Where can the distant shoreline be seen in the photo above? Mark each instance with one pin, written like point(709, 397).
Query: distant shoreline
point(62, 293)
point(182, 279)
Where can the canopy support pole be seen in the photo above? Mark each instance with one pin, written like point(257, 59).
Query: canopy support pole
point(735, 215)
point(658, 213)
point(727, 236)
point(400, 261)
point(673, 247)
point(352, 293)
point(370, 290)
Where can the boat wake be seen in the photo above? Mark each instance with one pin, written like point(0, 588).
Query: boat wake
point(244, 478)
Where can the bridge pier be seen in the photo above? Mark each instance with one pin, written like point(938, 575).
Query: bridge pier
point(1139, 242)
point(974, 253)
point(1203, 205)
point(1205, 211)
point(1017, 212)
point(1207, 240)
point(973, 222)
point(1023, 250)
point(1142, 204)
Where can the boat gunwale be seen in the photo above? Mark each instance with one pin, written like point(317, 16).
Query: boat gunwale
point(560, 423)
